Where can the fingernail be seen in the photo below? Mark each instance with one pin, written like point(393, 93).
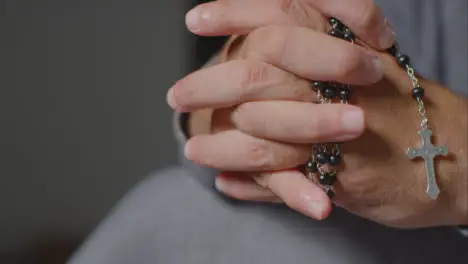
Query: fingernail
point(313, 207)
point(220, 183)
point(234, 116)
point(187, 151)
point(353, 121)
point(374, 66)
point(170, 99)
point(377, 63)
point(195, 16)
point(316, 209)
point(388, 36)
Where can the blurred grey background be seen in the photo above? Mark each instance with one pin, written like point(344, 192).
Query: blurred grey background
point(83, 113)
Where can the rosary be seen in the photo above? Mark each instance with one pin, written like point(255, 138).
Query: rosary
point(322, 166)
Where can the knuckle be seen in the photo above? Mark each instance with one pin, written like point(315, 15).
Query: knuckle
point(253, 75)
point(259, 155)
point(268, 44)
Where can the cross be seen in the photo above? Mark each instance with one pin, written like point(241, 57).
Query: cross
point(428, 152)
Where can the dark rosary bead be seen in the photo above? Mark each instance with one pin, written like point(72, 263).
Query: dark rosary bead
point(311, 166)
point(322, 157)
point(336, 33)
point(335, 160)
point(327, 179)
point(318, 86)
point(418, 93)
point(403, 60)
point(330, 194)
point(336, 24)
point(344, 94)
point(333, 21)
point(348, 35)
point(394, 50)
point(329, 92)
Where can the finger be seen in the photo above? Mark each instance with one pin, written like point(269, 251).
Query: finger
point(244, 188)
point(297, 50)
point(363, 17)
point(297, 192)
point(227, 17)
point(233, 150)
point(313, 55)
point(299, 122)
point(234, 82)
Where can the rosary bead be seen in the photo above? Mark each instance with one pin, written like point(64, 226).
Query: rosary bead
point(394, 50)
point(322, 158)
point(418, 93)
point(335, 160)
point(327, 179)
point(332, 21)
point(403, 60)
point(330, 193)
point(348, 35)
point(336, 33)
point(329, 92)
point(311, 166)
point(336, 24)
point(318, 86)
point(344, 94)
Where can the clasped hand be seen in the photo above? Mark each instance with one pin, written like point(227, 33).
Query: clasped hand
point(254, 115)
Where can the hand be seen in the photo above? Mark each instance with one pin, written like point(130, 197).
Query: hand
point(227, 17)
point(255, 78)
point(391, 203)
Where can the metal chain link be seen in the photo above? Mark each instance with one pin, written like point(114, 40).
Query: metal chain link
point(421, 107)
point(423, 114)
point(412, 75)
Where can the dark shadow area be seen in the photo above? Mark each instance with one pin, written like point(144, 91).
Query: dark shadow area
point(51, 250)
point(83, 113)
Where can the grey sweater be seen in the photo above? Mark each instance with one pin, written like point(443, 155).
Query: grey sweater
point(175, 216)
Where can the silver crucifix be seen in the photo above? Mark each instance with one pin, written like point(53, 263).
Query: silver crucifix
point(428, 152)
